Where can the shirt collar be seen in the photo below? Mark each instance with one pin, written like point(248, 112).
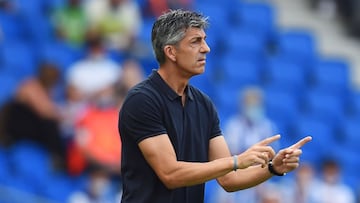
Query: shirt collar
point(166, 89)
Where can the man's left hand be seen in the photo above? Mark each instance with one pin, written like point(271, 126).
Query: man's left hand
point(288, 159)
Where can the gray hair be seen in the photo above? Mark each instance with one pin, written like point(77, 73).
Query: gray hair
point(170, 28)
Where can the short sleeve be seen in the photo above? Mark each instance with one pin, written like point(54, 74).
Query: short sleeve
point(140, 118)
point(215, 122)
point(213, 116)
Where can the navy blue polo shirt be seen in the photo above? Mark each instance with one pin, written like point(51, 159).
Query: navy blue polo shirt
point(152, 108)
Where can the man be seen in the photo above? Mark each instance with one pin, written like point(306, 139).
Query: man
point(171, 139)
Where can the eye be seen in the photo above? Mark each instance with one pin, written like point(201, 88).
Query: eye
point(196, 41)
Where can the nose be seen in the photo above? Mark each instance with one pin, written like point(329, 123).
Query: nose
point(205, 47)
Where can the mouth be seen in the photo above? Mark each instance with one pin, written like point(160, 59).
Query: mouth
point(202, 60)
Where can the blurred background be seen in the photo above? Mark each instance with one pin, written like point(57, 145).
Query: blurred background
point(290, 67)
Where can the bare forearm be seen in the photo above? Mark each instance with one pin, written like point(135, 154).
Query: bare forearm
point(187, 174)
point(244, 178)
point(190, 173)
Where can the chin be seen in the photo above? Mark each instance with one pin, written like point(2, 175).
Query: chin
point(197, 73)
point(200, 70)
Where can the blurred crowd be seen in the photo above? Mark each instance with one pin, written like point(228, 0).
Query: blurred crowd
point(70, 107)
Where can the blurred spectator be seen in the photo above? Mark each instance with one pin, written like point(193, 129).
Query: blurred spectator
point(90, 108)
point(217, 194)
point(250, 124)
point(302, 187)
point(118, 21)
point(99, 189)
point(330, 188)
point(96, 141)
point(270, 193)
point(93, 77)
point(70, 22)
point(132, 73)
point(98, 144)
point(33, 115)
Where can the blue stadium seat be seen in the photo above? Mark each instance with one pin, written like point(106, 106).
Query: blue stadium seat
point(28, 8)
point(4, 166)
point(245, 43)
point(226, 99)
point(325, 106)
point(353, 104)
point(259, 16)
point(348, 159)
point(350, 133)
point(297, 45)
point(281, 106)
point(30, 162)
point(323, 137)
point(331, 74)
point(53, 4)
point(242, 72)
point(218, 17)
point(19, 58)
point(145, 34)
point(210, 190)
point(285, 73)
point(19, 189)
point(8, 84)
point(39, 29)
point(59, 187)
point(12, 27)
point(59, 53)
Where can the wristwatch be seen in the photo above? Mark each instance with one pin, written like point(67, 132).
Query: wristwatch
point(272, 170)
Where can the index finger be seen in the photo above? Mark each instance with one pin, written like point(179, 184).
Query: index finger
point(301, 143)
point(268, 140)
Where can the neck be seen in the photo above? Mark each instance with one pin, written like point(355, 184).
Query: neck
point(175, 79)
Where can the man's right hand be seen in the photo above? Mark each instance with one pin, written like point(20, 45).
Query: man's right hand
point(258, 154)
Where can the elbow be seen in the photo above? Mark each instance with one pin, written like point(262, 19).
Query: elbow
point(229, 186)
point(231, 189)
point(228, 189)
point(225, 184)
point(170, 182)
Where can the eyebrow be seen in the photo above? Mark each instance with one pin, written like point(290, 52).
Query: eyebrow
point(197, 37)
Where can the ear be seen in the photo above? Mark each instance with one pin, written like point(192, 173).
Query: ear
point(170, 52)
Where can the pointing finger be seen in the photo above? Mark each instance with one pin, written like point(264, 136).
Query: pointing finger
point(269, 140)
point(301, 143)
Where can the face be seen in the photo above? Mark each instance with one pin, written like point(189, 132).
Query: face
point(190, 53)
